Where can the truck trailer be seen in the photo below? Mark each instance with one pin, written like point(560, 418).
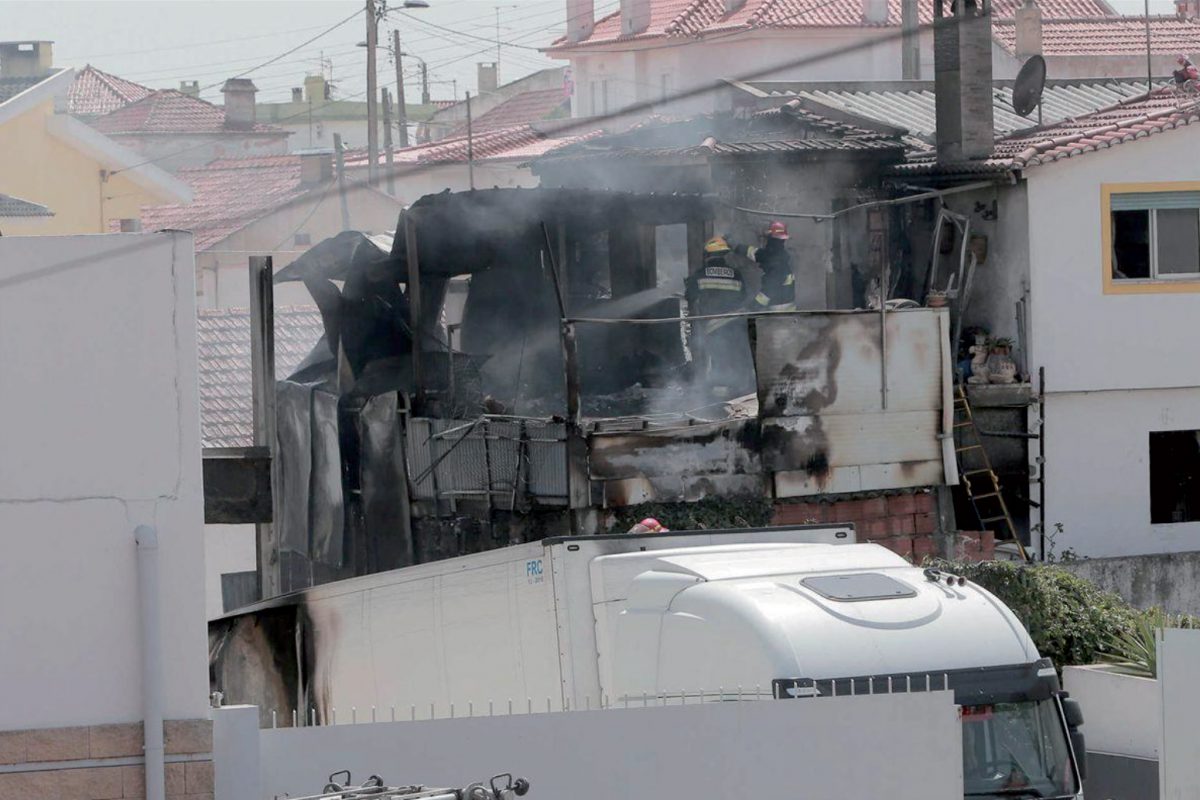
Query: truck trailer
point(606, 621)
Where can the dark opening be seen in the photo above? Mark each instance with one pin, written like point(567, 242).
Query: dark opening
point(1131, 244)
point(1174, 476)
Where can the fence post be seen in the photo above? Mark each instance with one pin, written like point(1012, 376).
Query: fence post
point(236, 760)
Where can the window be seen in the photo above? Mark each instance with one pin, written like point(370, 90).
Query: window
point(1155, 236)
point(1174, 477)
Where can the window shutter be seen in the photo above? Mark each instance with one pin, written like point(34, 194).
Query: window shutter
point(1138, 201)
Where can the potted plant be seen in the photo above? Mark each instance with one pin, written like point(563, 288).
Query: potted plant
point(1000, 366)
point(935, 299)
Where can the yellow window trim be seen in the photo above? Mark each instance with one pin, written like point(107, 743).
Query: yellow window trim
point(1160, 286)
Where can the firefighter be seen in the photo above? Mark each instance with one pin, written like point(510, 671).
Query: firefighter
point(778, 292)
point(721, 345)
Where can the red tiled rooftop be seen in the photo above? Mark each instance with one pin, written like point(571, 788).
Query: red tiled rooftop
point(698, 18)
point(97, 92)
point(1108, 36)
point(227, 195)
point(1163, 110)
point(503, 144)
point(520, 109)
point(171, 111)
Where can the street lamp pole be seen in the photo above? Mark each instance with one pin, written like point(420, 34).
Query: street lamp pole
point(401, 108)
point(372, 111)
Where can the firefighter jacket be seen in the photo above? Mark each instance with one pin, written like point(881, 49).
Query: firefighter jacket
point(778, 281)
point(717, 288)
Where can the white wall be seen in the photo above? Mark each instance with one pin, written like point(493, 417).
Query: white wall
point(851, 747)
point(1088, 340)
point(99, 422)
point(1179, 753)
point(227, 548)
point(1098, 469)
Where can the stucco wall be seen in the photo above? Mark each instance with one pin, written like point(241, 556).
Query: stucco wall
point(1088, 340)
point(38, 166)
point(1169, 581)
point(1097, 469)
point(173, 152)
point(227, 548)
point(100, 424)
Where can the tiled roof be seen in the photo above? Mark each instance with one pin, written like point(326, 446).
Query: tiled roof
point(698, 18)
point(1109, 36)
point(11, 87)
point(171, 111)
point(519, 110)
point(16, 207)
point(223, 344)
point(1162, 110)
point(97, 92)
point(502, 144)
point(228, 194)
point(911, 104)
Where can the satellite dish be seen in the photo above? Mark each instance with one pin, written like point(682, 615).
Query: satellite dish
point(1027, 89)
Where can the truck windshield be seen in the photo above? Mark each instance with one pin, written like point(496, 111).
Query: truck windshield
point(1016, 750)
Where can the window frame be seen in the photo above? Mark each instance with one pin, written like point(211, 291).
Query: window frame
point(1169, 283)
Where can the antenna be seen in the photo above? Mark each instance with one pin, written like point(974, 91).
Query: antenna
point(1027, 88)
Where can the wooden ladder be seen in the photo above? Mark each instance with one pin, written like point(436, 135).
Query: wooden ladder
point(987, 493)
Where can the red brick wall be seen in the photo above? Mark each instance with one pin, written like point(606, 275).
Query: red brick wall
point(904, 523)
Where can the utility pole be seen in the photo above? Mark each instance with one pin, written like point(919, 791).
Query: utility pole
point(387, 143)
point(401, 108)
point(372, 112)
point(425, 84)
point(498, 45)
point(470, 147)
point(341, 180)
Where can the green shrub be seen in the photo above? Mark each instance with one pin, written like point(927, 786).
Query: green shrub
point(1137, 648)
point(709, 513)
point(1070, 620)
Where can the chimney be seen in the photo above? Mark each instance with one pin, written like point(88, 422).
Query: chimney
point(316, 167)
point(297, 94)
point(581, 19)
point(239, 103)
point(962, 78)
point(635, 16)
point(190, 88)
point(316, 90)
point(26, 59)
point(487, 78)
point(1028, 24)
point(875, 12)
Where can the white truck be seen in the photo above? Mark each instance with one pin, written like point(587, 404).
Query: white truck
point(602, 621)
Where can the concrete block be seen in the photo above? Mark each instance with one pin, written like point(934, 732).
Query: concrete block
point(186, 736)
point(133, 782)
point(57, 744)
point(924, 547)
point(875, 528)
point(925, 523)
point(12, 747)
point(113, 741)
point(904, 525)
point(176, 775)
point(874, 507)
point(198, 777)
point(92, 783)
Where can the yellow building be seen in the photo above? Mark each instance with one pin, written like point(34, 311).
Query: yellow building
point(84, 181)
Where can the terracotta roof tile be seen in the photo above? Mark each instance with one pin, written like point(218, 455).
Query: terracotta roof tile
point(520, 109)
point(171, 111)
point(1110, 36)
point(223, 344)
point(16, 207)
point(11, 87)
point(501, 144)
point(228, 194)
point(698, 18)
point(96, 92)
point(1162, 110)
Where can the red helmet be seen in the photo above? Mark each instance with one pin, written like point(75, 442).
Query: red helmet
point(777, 230)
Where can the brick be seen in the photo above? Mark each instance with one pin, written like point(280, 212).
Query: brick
point(12, 747)
point(198, 777)
point(112, 741)
point(185, 736)
point(846, 511)
point(133, 782)
point(900, 545)
point(92, 783)
point(926, 502)
point(176, 779)
point(900, 504)
point(57, 744)
point(198, 796)
point(903, 525)
point(924, 547)
point(925, 523)
point(875, 528)
point(874, 507)
point(987, 548)
point(797, 513)
point(28, 785)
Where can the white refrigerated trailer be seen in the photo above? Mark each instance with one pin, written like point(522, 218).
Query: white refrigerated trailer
point(605, 621)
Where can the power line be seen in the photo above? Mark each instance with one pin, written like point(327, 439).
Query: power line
point(193, 45)
point(491, 42)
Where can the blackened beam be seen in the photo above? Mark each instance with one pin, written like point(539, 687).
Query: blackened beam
point(262, 371)
point(237, 485)
point(414, 302)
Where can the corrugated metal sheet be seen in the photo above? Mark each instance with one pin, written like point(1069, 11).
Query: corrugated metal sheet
point(914, 109)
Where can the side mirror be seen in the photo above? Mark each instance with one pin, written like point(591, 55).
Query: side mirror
point(1073, 712)
point(1080, 748)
